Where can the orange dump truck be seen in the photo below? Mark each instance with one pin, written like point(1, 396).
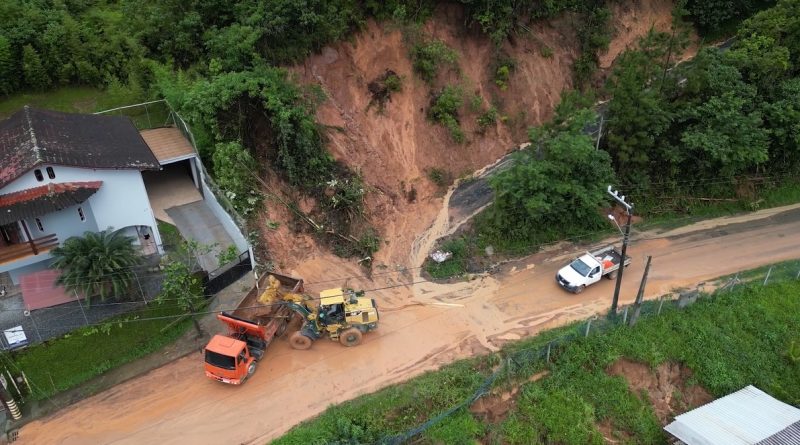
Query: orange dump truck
point(252, 327)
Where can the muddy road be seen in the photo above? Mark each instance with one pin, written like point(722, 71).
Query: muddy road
point(424, 325)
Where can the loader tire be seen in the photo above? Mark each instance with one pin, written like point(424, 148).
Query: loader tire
point(299, 341)
point(350, 337)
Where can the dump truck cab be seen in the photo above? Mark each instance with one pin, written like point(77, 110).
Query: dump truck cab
point(232, 358)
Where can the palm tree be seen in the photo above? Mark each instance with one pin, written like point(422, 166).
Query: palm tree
point(97, 264)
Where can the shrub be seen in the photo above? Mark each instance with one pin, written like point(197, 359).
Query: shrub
point(444, 110)
point(427, 57)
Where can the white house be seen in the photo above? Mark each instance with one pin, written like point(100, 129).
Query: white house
point(64, 174)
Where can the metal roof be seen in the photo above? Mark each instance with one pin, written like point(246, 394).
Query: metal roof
point(32, 137)
point(747, 417)
point(168, 144)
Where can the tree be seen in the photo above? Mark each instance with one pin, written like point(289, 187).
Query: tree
point(558, 190)
point(724, 138)
point(638, 117)
point(761, 59)
point(782, 118)
point(8, 77)
point(98, 264)
point(32, 69)
point(234, 169)
point(182, 288)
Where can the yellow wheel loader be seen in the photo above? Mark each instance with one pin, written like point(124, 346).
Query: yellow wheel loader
point(343, 314)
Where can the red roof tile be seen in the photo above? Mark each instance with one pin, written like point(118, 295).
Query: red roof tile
point(44, 199)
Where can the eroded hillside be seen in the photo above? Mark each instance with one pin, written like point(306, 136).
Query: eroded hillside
point(397, 148)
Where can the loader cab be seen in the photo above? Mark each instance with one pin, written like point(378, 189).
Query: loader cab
point(331, 306)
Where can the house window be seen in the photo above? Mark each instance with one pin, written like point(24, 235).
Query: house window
point(39, 225)
point(80, 213)
point(38, 174)
point(50, 173)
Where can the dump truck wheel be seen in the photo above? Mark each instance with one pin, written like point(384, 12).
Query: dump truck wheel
point(299, 341)
point(612, 275)
point(350, 337)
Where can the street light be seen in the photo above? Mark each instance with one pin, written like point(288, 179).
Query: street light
point(611, 217)
point(625, 239)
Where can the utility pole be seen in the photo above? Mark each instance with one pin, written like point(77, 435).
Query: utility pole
point(625, 239)
point(637, 307)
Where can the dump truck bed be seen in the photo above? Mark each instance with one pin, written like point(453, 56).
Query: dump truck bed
point(251, 309)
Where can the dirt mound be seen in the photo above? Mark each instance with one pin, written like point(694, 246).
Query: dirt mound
point(665, 386)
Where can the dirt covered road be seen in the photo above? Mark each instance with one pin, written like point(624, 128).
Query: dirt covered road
point(423, 326)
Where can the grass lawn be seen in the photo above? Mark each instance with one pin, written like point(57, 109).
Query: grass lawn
point(69, 99)
point(725, 343)
point(81, 99)
point(64, 363)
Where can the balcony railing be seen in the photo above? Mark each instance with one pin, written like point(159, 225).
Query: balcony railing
point(35, 247)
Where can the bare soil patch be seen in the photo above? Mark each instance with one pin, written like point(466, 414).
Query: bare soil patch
point(494, 407)
point(666, 387)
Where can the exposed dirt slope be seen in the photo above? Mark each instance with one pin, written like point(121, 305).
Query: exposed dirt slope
point(395, 149)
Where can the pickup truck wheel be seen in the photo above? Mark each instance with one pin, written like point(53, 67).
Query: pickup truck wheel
point(612, 275)
point(299, 341)
point(350, 337)
point(251, 369)
point(580, 289)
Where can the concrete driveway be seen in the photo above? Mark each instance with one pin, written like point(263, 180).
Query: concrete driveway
point(196, 221)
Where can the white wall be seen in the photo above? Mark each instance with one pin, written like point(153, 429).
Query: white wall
point(120, 202)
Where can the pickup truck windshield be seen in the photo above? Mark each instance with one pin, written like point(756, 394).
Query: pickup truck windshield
point(582, 268)
point(220, 361)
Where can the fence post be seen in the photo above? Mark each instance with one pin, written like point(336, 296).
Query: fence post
point(141, 291)
point(734, 281)
point(625, 316)
point(660, 304)
point(35, 328)
point(548, 351)
point(81, 306)
point(767, 277)
point(798, 275)
point(588, 326)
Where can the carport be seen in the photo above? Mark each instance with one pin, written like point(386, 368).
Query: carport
point(176, 195)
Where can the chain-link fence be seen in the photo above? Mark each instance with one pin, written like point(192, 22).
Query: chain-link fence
point(23, 327)
point(522, 362)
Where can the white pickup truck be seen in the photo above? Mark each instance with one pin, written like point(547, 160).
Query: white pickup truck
point(588, 269)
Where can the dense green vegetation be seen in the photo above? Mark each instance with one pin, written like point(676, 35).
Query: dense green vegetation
point(719, 130)
point(566, 407)
point(64, 363)
point(715, 127)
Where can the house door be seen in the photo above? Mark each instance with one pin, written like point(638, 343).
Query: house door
point(9, 234)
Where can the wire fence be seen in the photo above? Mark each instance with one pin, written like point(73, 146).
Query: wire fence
point(23, 327)
point(523, 362)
